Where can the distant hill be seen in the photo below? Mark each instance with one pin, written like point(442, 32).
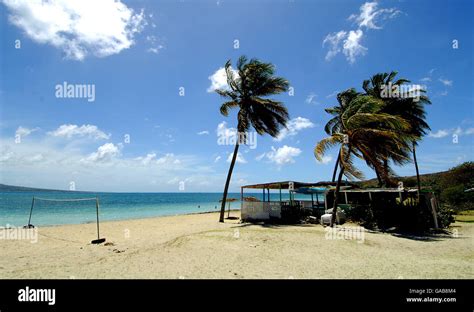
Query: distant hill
point(453, 187)
point(12, 188)
point(426, 180)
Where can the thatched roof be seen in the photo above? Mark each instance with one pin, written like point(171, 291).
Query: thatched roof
point(284, 185)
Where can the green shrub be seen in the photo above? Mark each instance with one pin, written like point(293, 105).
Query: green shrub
point(457, 198)
point(445, 216)
point(408, 216)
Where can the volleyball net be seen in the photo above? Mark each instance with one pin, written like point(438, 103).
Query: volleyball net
point(96, 199)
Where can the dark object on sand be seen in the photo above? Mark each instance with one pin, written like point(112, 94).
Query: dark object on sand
point(229, 200)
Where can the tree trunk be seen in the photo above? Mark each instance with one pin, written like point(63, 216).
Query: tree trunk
point(379, 179)
point(417, 172)
point(336, 195)
point(335, 168)
point(227, 182)
point(385, 167)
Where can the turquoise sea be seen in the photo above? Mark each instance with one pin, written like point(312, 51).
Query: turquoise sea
point(15, 206)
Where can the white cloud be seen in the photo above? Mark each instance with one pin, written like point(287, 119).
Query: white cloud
point(260, 157)
point(78, 28)
point(155, 46)
point(69, 131)
point(325, 160)
point(217, 159)
point(446, 82)
point(36, 158)
point(23, 131)
point(169, 158)
point(155, 50)
point(147, 159)
point(311, 98)
point(352, 47)
point(45, 163)
point(425, 79)
point(205, 132)
point(369, 15)
point(443, 93)
point(104, 153)
point(283, 155)
point(334, 41)
point(469, 131)
point(459, 131)
point(349, 42)
point(332, 94)
point(240, 159)
point(445, 132)
point(293, 127)
point(438, 134)
point(219, 79)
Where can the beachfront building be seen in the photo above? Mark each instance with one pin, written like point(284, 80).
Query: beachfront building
point(289, 198)
point(286, 198)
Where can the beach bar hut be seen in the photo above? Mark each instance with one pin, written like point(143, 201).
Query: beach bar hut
point(270, 205)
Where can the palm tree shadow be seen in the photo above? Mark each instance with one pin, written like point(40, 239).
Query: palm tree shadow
point(427, 237)
point(274, 225)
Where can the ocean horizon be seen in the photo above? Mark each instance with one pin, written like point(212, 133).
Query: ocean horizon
point(15, 205)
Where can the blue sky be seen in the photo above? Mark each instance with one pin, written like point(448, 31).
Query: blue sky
point(139, 56)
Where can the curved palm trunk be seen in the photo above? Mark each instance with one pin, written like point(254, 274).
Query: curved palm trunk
point(338, 188)
point(417, 172)
point(336, 195)
point(335, 168)
point(385, 168)
point(379, 179)
point(227, 182)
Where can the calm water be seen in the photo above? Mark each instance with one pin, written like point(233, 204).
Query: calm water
point(15, 206)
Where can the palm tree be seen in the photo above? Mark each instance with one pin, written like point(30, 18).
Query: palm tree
point(247, 91)
point(411, 108)
point(334, 124)
point(362, 122)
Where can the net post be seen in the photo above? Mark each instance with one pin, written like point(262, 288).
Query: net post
point(31, 211)
point(97, 211)
point(98, 240)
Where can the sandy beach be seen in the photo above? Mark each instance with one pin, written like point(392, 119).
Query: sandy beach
point(197, 246)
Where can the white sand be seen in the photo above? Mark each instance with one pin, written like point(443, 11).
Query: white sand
point(197, 246)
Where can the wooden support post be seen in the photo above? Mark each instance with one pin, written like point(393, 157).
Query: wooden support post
point(326, 201)
point(241, 198)
point(434, 203)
